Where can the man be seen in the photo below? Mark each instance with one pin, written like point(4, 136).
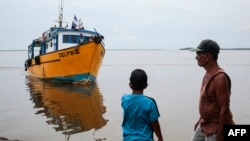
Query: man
point(140, 116)
point(214, 105)
point(82, 39)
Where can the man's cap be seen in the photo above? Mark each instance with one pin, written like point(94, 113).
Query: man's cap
point(207, 45)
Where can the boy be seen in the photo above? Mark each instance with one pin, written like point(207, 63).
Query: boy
point(140, 113)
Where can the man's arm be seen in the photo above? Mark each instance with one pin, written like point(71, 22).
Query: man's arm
point(222, 91)
point(157, 129)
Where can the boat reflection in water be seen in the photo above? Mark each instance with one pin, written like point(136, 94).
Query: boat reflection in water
point(71, 108)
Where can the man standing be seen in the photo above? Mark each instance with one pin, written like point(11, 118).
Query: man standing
point(82, 39)
point(214, 105)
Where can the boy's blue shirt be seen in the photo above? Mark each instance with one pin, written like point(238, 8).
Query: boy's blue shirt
point(139, 112)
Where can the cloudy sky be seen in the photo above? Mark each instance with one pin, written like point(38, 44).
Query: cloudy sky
point(132, 24)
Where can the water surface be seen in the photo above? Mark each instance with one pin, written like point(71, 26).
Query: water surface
point(37, 110)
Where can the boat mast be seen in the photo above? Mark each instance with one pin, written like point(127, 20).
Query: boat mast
point(60, 13)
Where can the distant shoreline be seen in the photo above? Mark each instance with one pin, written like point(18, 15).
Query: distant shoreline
point(187, 48)
point(221, 48)
point(14, 50)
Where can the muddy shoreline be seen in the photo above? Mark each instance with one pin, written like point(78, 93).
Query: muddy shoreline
point(6, 139)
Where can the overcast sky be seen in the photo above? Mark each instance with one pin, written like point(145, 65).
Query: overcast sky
point(132, 24)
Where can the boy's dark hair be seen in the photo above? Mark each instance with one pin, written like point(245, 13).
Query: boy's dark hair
point(138, 79)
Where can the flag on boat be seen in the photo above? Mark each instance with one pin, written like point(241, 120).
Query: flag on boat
point(75, 23)
point(80, 24)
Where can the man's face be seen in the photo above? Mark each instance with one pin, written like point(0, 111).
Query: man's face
point(202, 58)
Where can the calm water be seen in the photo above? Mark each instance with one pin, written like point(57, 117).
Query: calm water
point(33, 110)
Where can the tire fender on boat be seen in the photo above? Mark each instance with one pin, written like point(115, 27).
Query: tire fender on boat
point(98, 39)
point(37, 60)
point(27, 64)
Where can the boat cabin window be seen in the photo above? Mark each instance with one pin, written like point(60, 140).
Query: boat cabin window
point(66, 38)
point(75, 38)
point(70, 38)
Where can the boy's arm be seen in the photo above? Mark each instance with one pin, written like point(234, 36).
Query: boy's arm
point(157, 129)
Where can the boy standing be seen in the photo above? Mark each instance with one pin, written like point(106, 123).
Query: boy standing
point(140, 113)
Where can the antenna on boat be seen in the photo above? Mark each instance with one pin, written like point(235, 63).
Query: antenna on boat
point(60, 18)
point(60, 13)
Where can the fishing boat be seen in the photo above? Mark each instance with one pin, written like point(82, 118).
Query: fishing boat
point(71, 55)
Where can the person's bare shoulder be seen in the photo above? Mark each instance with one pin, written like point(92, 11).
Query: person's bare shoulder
point(221, 80)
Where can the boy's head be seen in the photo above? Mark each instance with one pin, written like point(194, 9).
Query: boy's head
point(138, 79)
